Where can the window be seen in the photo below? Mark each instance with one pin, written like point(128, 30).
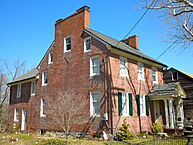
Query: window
point(18, 91)
point(67, 44)
point(95, 104)
point(42, 108)
point(125, 106)
point(174, 76)
point(87, 44)
point(94, 66)
point(123, 66)
point(142, 105)
point(44, 78)
point(140, 73)
point(50, 58)
point(33, 88)
point(154, 75)
point(16, 115)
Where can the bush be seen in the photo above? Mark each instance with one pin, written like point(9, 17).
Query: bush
point(55, 142)
point(157, 127)
point(123, 133)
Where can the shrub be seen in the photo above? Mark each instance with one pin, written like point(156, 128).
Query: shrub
point(157, 127)
point(123, 133)
point(55, 142)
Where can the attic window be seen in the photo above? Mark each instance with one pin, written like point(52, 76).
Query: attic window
point(174, 76)
point(50, 58)
point(87, 42)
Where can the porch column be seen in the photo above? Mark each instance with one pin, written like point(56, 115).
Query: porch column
point(171, 114)
point(166, 113)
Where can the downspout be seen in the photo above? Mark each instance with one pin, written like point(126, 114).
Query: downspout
point(105, 90)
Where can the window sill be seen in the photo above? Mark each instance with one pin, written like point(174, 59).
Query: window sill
point(85, 51)
point(33, 94)
point(42, 115)
point(50, 63)
point(44, 84)
point(67, 51)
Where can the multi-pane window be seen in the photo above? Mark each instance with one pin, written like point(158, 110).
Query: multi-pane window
point(154, 75)
point(87, 44)
point(50, 58)
point(44, 78)
point(16, 115)
point(67, 44)
point(18, 91)
point(94, 66)
point(140, 72)
point(142, 105)
point(174, 76)
point(33, 88)
point(95, 104)
point(42, 107)
point(123, 66)
point(125, 104)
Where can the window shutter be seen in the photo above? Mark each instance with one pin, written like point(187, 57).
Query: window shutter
point(147, 105)
point(120, 103)
point(138, 104)
point(130, 104)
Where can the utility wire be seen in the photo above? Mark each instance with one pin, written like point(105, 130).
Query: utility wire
point(155, 1)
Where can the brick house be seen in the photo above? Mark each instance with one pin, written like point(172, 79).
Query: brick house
point(114, 77)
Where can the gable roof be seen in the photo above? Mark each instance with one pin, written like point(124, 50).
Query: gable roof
point(120, 45)
point(31, 74)
point(184, 73)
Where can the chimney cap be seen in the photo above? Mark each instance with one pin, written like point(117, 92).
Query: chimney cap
point(83, 8)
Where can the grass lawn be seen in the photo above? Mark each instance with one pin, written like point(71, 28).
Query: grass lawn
point(34, 139)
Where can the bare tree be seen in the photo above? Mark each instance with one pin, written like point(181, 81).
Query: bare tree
point(178, 15)
point(8, 72)
point(66, 110)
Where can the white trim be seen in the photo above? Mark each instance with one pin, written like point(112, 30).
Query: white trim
point(23, 119)
point(18, 94)
point(15, 115)
point(142, 73)
point(43, 82)
point(126, 97)
point(91, 66)
point(92, 106)
point(65, 43)
point(42, 103)
point(85, 39)
point(33, 93)
point(142, 105)
point(156, 75)
point(125, 66)
point(50, 61)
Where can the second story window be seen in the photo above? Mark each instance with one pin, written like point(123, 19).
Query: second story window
point(44, 78)
point(67, 44)
point(154, 75)
point(33, 88)
point(123, 66)
point(50, 58)
point(18, 91)
point(140, 72)
point(87, 44)
point(94, 66)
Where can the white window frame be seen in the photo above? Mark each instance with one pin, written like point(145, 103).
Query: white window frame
point(50, 59)
point(16, 112)
point(123, 68)
point(154, 70)
point(91, 66)
point(85, 42)
point(33, 84)
point(43, 78)
point(125, 104)
point(140, 73)
point(92, 113)
point(42, 107)
point(142, 105)
point(18, 95)
point(65, 48)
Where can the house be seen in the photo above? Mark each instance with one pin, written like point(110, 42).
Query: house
point(173, 75)
point(114, 77)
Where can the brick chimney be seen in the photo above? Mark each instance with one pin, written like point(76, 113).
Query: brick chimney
point(86, 13)
point(132, 41)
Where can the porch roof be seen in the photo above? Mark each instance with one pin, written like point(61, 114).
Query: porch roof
point(173, 89)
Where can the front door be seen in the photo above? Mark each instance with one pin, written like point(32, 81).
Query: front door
point(23, 120)
point(157, 114)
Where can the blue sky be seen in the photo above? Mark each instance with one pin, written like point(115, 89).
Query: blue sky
point(27, 28)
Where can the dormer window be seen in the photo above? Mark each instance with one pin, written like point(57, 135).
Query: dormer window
point(50, 58)
point(87, 44)
point(67, 44)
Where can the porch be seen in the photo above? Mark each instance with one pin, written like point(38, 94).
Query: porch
point(166, 104)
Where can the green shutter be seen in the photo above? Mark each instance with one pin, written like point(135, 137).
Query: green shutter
point(130, 104)
point(120, 103)
point(138, 104)
point(147, 105)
